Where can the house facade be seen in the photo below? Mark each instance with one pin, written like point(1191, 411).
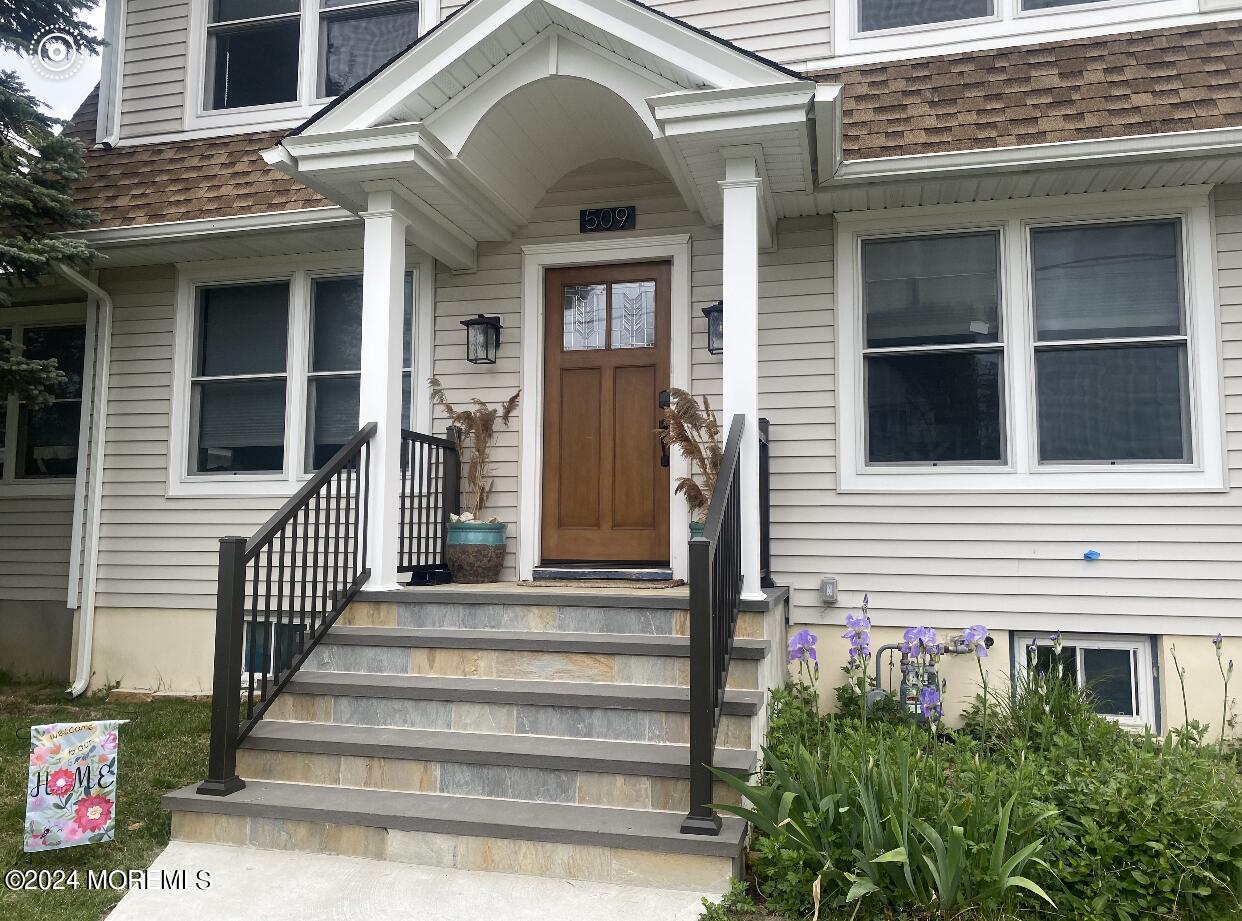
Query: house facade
point(978, 264)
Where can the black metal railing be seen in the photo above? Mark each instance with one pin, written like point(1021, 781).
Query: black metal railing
point(765, 508)
point(430, 492)
point(715, 589)
point(279, 593)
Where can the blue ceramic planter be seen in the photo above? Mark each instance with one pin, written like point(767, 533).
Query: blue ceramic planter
point(475, 551)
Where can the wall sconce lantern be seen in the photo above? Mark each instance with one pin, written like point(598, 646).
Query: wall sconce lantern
point(482, 339)
point(715, 327)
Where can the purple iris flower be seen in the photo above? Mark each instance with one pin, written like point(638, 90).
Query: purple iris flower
point(858, 632)
point(917, 641)
point(930, 703)
point(977, 638)
point(802, 646)
point(1219, 642)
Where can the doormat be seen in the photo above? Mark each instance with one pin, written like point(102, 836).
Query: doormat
point(627, 584)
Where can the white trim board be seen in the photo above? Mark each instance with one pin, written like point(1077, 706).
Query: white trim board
point(1021, 472)
point(535, 259)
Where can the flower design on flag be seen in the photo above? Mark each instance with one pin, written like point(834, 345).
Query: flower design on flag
point(93, 813)
point(61, 782)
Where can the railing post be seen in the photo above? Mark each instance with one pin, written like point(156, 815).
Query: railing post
point(701, 819)
point(222, 776)
point(765, 508)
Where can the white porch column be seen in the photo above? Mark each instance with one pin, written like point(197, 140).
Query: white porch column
point(379, 398)
point(740, 190)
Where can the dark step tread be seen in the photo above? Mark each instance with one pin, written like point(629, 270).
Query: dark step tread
point(562, 823)
point(665, 599)
point(532, 640)
point(553, 753)
point(516, 691)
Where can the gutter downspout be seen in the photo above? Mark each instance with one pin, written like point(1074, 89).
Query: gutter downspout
point(103, 357)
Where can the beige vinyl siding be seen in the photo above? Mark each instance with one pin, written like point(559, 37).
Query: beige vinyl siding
point(977, 556)
point(154, 551)
point(789, 32)
point(154, 67)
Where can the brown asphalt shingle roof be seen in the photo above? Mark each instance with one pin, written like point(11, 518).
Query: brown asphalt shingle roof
point(1152, 82)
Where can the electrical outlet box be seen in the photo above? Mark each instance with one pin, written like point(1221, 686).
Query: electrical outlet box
point(828, 590)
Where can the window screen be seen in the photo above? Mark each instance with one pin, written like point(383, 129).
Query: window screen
point(356, 39)
point(1111, 351)
point(874, 15)
point(933, 359)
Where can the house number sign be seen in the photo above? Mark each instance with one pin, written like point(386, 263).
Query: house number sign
point(599, 220)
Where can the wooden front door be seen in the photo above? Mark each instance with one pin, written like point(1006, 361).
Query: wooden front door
point(605, 480)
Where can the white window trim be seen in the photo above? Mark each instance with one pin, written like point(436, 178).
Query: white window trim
point(1144, 669)
point(274, 116)
point(1007, 22)
point(35, 317)
point(1022, 472)
point(300, 273)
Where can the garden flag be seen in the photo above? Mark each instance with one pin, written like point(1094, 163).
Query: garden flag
point(71, 796)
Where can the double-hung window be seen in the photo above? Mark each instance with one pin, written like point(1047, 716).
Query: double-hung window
point(273, 376)
point(1030, 349)
point(296, 53)
point(1111, 351)
point(933, 358)
point(41, 443)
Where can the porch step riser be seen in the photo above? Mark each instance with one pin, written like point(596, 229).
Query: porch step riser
point(432, 849)
point(553, 618)
point(545, 785)
point(519, 664)
point(628, 725)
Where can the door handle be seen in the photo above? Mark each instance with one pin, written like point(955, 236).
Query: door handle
point(666, 399)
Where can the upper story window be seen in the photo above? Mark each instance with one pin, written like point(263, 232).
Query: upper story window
point(298, 52)
point(42, 443)
point(874, 15)
point(1030, 349)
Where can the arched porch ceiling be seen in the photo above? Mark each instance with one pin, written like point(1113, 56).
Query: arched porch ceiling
point(470, 126)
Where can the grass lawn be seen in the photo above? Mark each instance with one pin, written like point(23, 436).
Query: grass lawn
point(164, 746)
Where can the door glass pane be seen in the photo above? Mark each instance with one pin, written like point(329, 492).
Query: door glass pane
point(48, 442)
point(1121, 403)
point(932, 290)
point(254, 66)
point(358, 44)
point(1107, 281)
point(1109, 676)
point(935, 408)
point(241, 426)
point(336, 332)
point(585, 317)
point(633, 315)
point(897, 14)
point(229, 10)
point(331, 416)
point(243, 329)
point(66, 344)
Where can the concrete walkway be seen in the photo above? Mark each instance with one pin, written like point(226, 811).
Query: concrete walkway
point(285, 886)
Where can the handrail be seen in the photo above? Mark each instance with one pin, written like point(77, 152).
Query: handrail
point(315, 546)
point(765, 507)
point(715, 589)
point(430, 493)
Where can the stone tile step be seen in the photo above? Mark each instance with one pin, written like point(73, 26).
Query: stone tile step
point(601, 755)
point(549, 839)
point(581, 710)
point(533, 655)
point(599, 695)
point(590, 772)
point(521, 614)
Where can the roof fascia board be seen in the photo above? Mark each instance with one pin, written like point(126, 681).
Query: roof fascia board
point(166, 231)
point(1208, 142)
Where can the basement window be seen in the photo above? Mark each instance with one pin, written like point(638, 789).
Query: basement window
point(1117, 671)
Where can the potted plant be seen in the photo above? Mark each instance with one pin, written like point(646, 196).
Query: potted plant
point(475, 549)
point(694, 431)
